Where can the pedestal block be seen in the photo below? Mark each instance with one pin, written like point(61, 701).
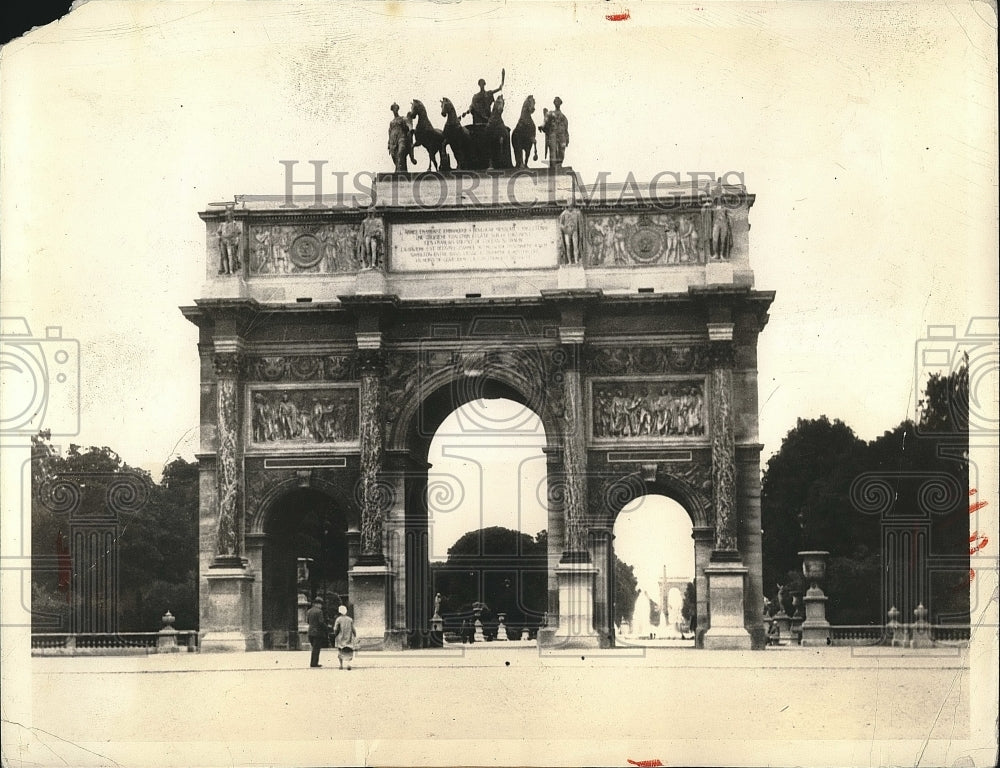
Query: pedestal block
point(371, 591)
point(436, 639)
point(571, 276)
point(718, 273)
point(815, 629)
point(371, 282)
point(727, 631)
point(576, 607)
point(784, 622)
point(229, 614)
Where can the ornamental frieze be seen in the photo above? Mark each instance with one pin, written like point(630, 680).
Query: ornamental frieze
point(278, 249)
point(301, 368)
point(690, 358)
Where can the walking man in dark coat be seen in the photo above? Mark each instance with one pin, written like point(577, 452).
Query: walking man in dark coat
point(317, 630)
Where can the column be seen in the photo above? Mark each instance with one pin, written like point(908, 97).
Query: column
point(229, 543)
point(556, 529)
point(726, 573)
point(704, 538)
point(602, 549)
point(373, 494)
point(230, 583)
point(370, 577)
point(575, 573)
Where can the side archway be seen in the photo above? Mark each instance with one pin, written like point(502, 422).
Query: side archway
point(611, 494)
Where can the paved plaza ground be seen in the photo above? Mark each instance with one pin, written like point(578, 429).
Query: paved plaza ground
point(506, 705)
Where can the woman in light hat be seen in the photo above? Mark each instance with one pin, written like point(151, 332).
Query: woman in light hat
point(344, 637)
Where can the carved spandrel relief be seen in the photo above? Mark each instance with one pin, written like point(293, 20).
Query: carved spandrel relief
point(289, 417)
point(537, 373)
point(685, 237)
point(652, 409)
point(306, 248)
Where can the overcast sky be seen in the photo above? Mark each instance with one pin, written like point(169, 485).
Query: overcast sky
point(868, 134)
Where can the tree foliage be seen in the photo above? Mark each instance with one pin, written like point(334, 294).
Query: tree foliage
point(626, 591)
point(499, 568)
point(806, 503)
point(156, 546)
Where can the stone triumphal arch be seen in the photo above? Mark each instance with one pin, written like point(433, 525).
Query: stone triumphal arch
point(335, 336)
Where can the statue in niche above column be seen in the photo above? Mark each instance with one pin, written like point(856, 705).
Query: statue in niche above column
point(229, 243)
point(556, 130)
point(372, 238)
point(571, 229)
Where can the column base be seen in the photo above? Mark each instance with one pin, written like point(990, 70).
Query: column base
point(726, 585)
point(815, 629)
point(226, 642)
point(576, 607)
point(370, 591)
point(229, 611)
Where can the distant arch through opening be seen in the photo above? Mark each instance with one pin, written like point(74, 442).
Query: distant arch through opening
point(653, 542)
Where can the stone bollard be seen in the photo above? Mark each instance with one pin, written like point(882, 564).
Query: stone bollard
point(896, 631)
point(166, 640)
point(921, 629)
point(437, 631)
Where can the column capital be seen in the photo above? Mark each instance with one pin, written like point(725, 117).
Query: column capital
point(571, 335)
point(371, 360)
point(228, 364)
point(703, 533)
point(721, 354)
point(720, 331)
point(368, 340)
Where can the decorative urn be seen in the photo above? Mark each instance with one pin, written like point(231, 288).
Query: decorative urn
point(814, 567)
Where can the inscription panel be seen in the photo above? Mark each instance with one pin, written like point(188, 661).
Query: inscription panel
point(459, 245)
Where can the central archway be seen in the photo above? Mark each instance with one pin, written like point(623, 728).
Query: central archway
point(461, 413)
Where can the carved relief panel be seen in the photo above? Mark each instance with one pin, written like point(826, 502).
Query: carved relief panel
point(648, 409)
point(290, 416)
point(685, 237)
point(277, 249)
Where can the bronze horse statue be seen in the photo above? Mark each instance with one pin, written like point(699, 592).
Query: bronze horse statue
point(456, 135)
point(498, 137)
point(523, 137)
point(426, 135)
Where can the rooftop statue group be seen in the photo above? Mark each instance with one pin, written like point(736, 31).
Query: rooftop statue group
point(484, 144)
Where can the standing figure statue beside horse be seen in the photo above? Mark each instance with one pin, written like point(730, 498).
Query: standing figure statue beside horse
point(485, 144)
